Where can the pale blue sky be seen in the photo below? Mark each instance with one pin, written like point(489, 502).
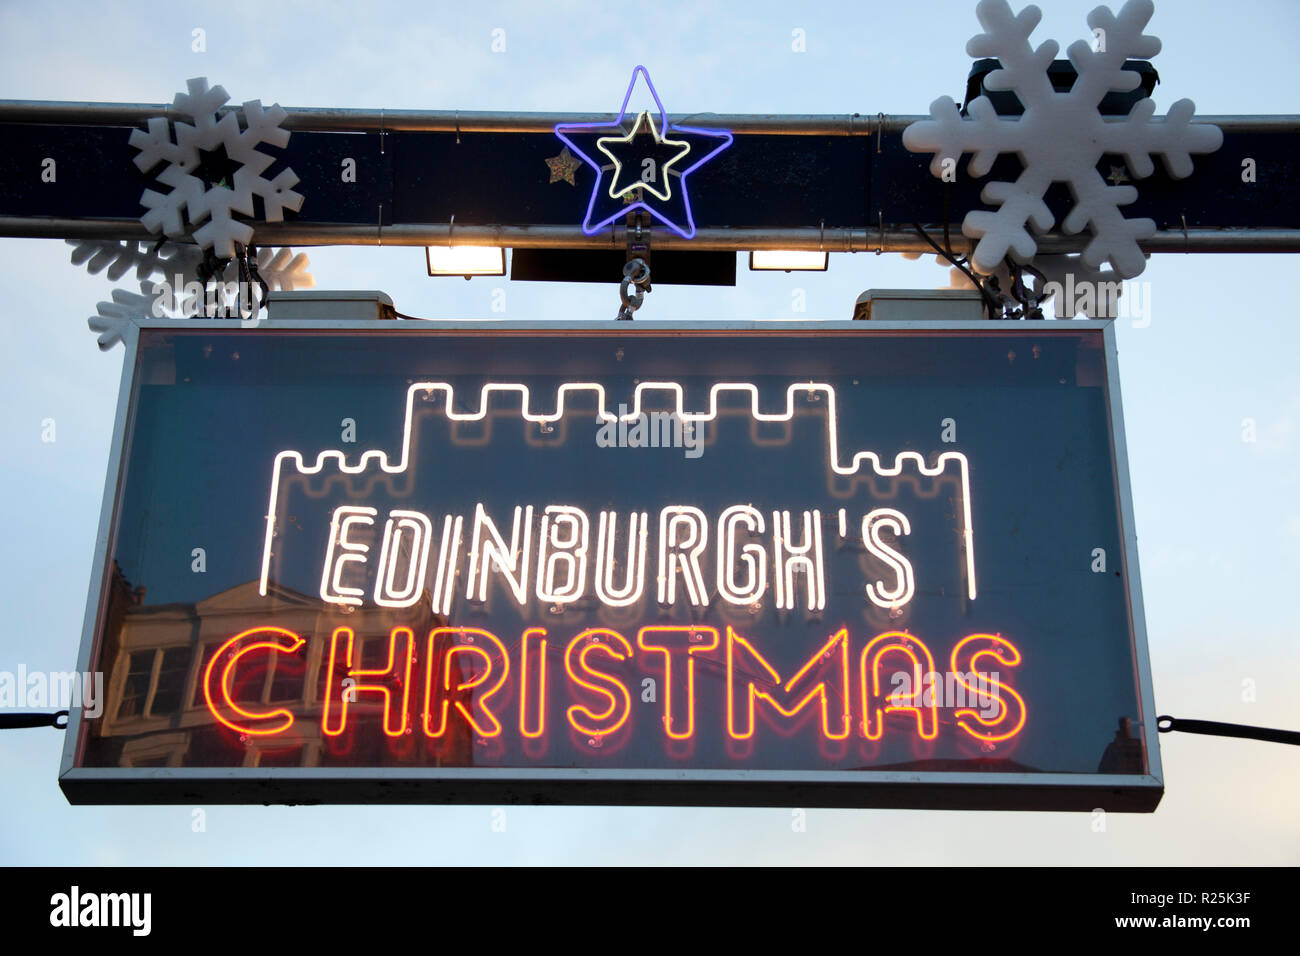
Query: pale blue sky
point(1218, 519)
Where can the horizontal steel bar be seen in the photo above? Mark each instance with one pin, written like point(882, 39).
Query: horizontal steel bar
point(465, 121)
point(570, 237)
point(483, 121)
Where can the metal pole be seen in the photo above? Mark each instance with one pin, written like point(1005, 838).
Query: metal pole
point(480, 121)
point(570, 237)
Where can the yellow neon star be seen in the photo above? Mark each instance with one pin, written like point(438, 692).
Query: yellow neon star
point(661, 174)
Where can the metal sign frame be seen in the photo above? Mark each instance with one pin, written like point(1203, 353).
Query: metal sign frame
point(478, 785)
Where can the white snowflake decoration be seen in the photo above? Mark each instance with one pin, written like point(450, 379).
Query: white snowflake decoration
point(121, 256)
point(1061, 137)
point(1070, 285)
point(181, 292)
point(114, 318)
point(194, 200)
point(280, 267)
point(283, 269)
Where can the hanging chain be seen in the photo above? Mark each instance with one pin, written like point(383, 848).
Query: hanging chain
point(212, 267)
point(247, 304)
point(1020, 301)
point(256, 273)
point(248, 309)
point(637, 273)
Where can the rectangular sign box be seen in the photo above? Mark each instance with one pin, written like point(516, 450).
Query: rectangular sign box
point(840, 564)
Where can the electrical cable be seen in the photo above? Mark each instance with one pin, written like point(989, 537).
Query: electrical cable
point(991, 306)
point(1213, 728)
point(1165, 724)
point(20, 721)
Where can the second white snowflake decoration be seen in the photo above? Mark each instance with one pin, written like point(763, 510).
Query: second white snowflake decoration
point(197, 200)
point(1061, 137)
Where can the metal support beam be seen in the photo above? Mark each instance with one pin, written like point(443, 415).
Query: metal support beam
point(837, 183)
point(571, 237)
point(492, 121)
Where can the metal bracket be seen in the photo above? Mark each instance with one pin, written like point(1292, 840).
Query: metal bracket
point(638, 240)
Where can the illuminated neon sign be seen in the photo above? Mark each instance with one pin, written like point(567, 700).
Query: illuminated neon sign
point(675, 521)
point(625, 170)
point(993, 717)
point(852, 565)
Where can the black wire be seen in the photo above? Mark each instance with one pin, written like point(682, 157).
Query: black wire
point(212, 267)
point(245, 282)
point(991, 306)
point(1021, 292)
point(246, 257)
point(21, 721)
point(257, 274)
point(1214, 728)
point(947, 238)
point(1165, 724)
point(412, 318)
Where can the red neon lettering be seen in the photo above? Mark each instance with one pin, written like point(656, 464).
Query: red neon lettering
point(836, 727)
point(1015, 713)
point(216, 687)
point(615, 646)
point(475, 644)
point(686, 642)
point(534, 636)
point(401, 655)
point(468, 667)
point(911, 702)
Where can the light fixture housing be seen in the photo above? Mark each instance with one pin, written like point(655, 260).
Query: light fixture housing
point(467, 261)
point(788, 260)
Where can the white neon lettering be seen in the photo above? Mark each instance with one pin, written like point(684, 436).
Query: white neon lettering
point(382, 460)
point(753, 556)
point(682, 553)
point(511, 560)
point(421, 529)
point(638, 531)
point(787, 558)
point(331, 589)
point(448, 552)
point(568, 550)
point(896, 522)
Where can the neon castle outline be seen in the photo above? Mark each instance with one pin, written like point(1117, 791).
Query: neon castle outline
point(380, 457)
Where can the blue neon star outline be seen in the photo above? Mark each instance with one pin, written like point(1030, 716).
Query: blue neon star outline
point(590, 228)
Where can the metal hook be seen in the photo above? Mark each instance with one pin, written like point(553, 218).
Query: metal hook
point(635, 272)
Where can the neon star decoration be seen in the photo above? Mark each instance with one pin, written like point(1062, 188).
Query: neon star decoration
point(608, 145)
point(619, 176)
point(563, 167)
